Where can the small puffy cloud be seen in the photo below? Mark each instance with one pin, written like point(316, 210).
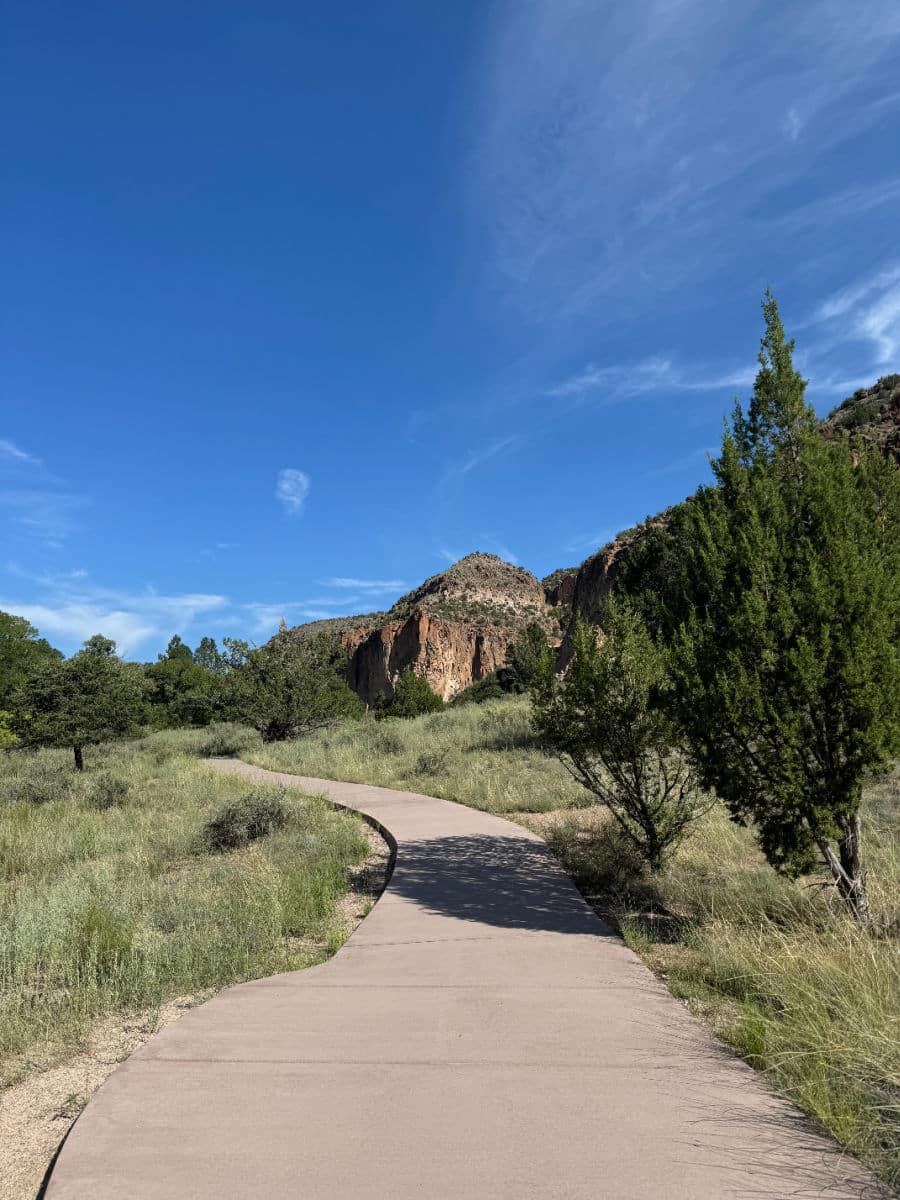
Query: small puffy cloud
point(292, 489)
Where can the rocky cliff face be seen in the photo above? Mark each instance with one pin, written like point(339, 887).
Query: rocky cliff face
point(449, 653)
point(453, 630)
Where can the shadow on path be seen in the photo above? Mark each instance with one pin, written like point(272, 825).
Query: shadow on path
point(508, 882)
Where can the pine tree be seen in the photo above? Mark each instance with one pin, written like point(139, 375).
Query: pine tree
point(786, 614)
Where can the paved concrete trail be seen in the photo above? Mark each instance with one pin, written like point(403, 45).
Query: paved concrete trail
point(481, 1035)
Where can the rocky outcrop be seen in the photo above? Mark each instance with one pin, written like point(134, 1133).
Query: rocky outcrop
point(870, 415)
point(450, 654)
point(559, 588)
point(454, 629)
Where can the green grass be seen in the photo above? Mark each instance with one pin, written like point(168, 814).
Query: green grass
point(113, 900)
point(774, 966)
point(480, 755)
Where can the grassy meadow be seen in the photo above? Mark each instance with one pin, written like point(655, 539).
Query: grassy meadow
point(149, 876)
point(482, 755)
point(774, 966)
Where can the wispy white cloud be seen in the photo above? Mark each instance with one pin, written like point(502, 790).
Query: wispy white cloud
point(624, 147)
point(45, 513)
point(459, 468)
point(793, 124)
point(620, 381)
point(365, 585)
point(849, 203)
point(11, 452)
point(291, 489)
point(869, 310)
point(34, 501)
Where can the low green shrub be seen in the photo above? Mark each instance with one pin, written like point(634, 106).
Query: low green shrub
point(226, 741)
point(107, 790)
point(412, 698)
point(488, 688)
point(41, 778)
point(433, 762)
point(255, 815)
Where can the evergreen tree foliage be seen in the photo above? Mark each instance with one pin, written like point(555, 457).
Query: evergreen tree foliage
point(609, 722)
point(412, 697)
point(234, 653)
point(784, 612)
point(209, 656)
point(89, 698)
point(524, 659)
point(182, 690)
point(291, 687)
point(22, 654)
point(489, 688)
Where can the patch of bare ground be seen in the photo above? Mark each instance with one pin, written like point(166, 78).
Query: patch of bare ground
point(37, 1113)
point(367, 881)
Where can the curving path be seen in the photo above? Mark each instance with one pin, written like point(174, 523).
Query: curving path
point(481, 1035)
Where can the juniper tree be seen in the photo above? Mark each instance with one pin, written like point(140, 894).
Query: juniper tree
point(413, 696)
point(524, 657)
point(609, 722)
point(88, 698)
point(786, 614)
point(290, 687)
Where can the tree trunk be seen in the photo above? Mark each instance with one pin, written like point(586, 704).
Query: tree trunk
point(79, 758)
point(852, 885)
point(847, 871)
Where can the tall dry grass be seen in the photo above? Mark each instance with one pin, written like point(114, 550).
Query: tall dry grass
point(112, 897)
point(482, 755)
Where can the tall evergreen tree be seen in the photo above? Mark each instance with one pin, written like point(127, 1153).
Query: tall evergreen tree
point(786, 614)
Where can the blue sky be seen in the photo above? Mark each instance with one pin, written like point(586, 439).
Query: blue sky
point(303, 301)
